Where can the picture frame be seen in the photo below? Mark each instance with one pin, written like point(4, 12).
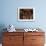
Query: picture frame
point(26, 14)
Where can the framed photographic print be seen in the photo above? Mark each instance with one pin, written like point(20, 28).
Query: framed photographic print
point(26, 14)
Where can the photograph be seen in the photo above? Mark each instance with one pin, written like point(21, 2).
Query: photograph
point(26, 14)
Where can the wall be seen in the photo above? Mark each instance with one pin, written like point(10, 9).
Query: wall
point(8, 13)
